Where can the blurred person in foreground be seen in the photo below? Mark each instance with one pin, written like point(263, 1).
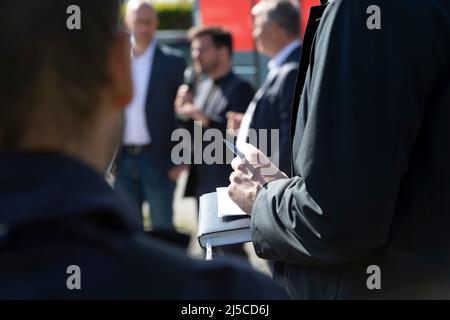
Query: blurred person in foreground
point(62, 93)
point(367, 211)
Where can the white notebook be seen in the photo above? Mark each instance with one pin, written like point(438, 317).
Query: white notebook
point(225, 206)
point(220, 231)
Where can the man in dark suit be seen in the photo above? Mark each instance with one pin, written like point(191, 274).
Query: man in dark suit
point(64, 233)
point(276, 33)
point(367, 212)
point(144, 169)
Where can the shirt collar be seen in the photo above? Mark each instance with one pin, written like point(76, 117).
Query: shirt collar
point(148, 53)
point(284, 53)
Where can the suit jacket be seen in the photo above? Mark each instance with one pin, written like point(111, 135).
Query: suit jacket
point(371, 167)
point(57, 212)
point(166, 76)
point(274, 107)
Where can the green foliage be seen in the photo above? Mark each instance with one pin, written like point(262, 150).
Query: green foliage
point(174, 16)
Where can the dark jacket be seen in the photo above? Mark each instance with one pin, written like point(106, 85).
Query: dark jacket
point(274, 107)
point(371, 163)
point(230, 93)
point(166, 76)
point(56, 212)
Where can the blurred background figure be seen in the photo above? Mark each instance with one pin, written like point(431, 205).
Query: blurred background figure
point(144, 167)
point(221, 91)
point(64, 232)
point(276, 30)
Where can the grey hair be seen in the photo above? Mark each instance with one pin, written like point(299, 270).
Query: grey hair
point(284, 12)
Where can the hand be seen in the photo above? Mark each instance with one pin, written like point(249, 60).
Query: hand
point(188, 109)
point(234, 120)
point(176, 171)
point(194, 113)
point(250, 175)
point(184, 96)
point(184, 106)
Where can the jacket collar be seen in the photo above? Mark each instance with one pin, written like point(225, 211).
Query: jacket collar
point(284, 54)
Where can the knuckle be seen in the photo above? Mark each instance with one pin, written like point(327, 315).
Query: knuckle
point(230, 191)
point(235, 163)
point(235, 177)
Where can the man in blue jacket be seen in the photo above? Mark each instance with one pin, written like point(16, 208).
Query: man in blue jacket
point(64, 233)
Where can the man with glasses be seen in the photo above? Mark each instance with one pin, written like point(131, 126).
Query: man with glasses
point(220, 92)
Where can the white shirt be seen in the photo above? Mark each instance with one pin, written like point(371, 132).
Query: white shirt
point(274, 64)
point(136, 131)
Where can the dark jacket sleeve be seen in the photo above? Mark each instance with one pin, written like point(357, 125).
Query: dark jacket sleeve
point(179, 66)
point(360, 112)
point(176, 72)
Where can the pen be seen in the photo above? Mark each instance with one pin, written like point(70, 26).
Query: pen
point(233, 148)
point(239, 153)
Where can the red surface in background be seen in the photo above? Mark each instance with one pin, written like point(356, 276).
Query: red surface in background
point(234, 15)
point(305, 5)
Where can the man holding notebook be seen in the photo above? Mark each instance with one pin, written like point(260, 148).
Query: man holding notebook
point(366, 213)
